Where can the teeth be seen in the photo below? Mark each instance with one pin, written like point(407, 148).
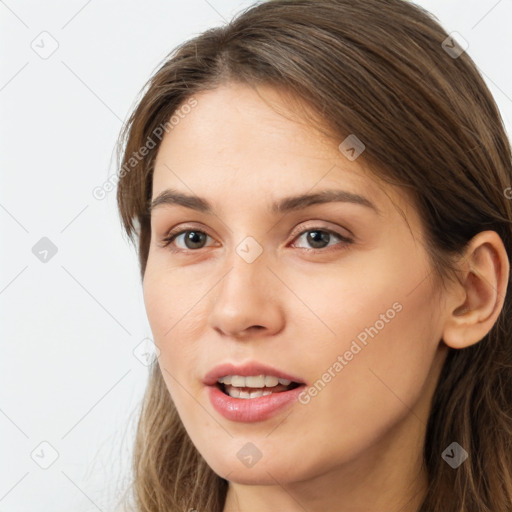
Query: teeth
point(236, 393)
point(271, 381)
point(253, 381)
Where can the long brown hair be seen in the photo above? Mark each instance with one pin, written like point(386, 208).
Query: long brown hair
point(386, 71)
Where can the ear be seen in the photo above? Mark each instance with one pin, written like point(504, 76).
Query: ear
point(474, 304)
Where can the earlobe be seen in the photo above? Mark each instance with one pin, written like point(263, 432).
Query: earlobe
point(484, 271)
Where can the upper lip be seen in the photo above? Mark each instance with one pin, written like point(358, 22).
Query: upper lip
point(246, 370)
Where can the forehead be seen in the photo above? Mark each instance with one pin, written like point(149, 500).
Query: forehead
point(235, 118)
point(238, 140)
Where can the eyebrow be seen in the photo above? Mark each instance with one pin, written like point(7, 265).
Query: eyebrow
point(284, 205)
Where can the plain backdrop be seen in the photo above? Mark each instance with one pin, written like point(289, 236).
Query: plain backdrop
point(72, 355)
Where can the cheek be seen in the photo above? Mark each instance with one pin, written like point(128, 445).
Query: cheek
point(175, 306)
point(375, 371)
point(171, 297)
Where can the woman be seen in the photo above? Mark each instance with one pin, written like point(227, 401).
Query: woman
point(318, 191)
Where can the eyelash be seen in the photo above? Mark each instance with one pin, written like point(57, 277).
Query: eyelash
point(171, 236)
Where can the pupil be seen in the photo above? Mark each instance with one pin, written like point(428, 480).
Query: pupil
point(314, 240)
point(192, 237)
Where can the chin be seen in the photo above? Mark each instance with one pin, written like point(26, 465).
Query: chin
point(262, 473)
point(249, 476)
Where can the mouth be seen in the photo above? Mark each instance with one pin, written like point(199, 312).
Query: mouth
point(251, 392)
point(252, 398)
point(236, 386)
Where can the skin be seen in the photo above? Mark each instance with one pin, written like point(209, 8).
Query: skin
point(357, 445)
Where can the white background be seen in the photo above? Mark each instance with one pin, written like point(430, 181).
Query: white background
point(69, 327)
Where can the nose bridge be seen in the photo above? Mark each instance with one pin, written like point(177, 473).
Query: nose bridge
point(242, 298)
point(246, 274)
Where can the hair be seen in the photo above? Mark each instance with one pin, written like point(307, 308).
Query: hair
point(377, 69)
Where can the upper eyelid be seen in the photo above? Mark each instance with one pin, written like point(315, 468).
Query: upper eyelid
point(179, 230)
point(334, 231)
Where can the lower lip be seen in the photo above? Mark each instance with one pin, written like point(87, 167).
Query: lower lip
point(251, 409)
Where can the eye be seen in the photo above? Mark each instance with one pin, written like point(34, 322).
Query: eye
point(318, 239)
point(193, 239)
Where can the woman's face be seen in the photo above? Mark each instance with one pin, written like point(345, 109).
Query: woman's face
point(338, 295)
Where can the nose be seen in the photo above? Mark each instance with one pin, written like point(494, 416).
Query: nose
point(246, 302)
